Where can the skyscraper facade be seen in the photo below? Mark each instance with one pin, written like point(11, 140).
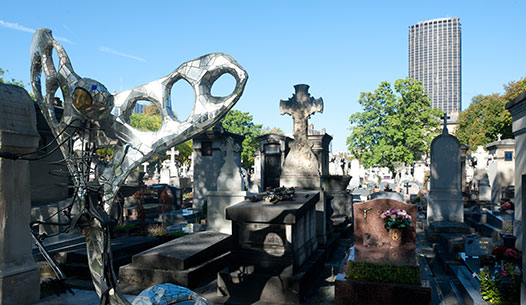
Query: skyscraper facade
point(434, 59)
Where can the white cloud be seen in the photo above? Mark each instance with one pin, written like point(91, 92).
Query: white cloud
point(15, 26)
point(114, 52)
point(18, 27)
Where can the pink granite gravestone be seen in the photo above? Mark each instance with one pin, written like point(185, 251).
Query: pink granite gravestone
point(369, 227)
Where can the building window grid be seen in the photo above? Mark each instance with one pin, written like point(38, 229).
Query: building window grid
point(435, 47)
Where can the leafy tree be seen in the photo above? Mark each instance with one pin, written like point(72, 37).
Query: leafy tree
point(487, 117)
point(150, 120)
point(395, 127)
point(274, 130)
point(146, 122)
point(514, 89)
point(9, 82)
point(151, 110)
point(241, 123)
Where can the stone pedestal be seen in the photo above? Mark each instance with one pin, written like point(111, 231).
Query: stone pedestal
point(336, 186)
point(19, 274)
point(218, 202)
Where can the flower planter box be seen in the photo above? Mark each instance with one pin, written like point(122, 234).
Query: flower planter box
point(354, 292)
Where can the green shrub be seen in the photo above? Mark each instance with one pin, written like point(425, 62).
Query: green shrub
point(383, 273)
point(501, 287)
point(126, 227)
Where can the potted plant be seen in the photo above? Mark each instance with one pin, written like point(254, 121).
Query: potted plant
point(396, 221)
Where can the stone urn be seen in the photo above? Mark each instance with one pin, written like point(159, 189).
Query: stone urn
point(335, 182)
point(396, 238)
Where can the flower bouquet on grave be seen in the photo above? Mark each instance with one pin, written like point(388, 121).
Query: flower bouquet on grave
point(396, 221)
point(503, 254)
point(507, 207)
point(279, 194)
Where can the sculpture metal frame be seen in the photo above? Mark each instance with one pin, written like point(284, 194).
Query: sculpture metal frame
point(93, 118)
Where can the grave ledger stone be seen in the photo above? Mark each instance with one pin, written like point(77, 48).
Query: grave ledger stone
point(19, 274)
point(445, 197)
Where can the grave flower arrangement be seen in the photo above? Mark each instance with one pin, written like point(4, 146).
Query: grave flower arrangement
point(395, 219)
point(508, 206)
point(503, 253)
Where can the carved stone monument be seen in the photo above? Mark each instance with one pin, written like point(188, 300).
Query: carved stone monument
point(19, 274)
point(445, 195)
point(301, 168)
point(208, 159)
point(230, 189)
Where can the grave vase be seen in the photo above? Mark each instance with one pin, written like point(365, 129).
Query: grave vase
point(396, 237)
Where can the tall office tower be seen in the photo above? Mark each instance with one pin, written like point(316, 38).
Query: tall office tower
point(434, 59)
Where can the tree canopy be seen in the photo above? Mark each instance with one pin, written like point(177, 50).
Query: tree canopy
point(396, 126)
point(487, 117)
point(9, 82)
point(241, 123)
point(150, 120)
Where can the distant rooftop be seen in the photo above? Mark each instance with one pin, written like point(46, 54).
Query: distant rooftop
point(436, 20)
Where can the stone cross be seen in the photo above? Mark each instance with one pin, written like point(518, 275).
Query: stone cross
point(145, 166)
point(173, 168)
point(230, 178)
point(499, 137)
point(444, 130)
point(407, 185)
point(230, 147)
point(301, 106)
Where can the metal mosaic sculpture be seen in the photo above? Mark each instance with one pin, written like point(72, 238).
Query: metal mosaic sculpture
point(93, 118)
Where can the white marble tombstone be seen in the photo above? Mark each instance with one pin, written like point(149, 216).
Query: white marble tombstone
point(165, 172)
point(19, 274)
point(355, 174)
point(445, 195)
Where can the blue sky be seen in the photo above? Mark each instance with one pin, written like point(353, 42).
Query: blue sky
point(339, 48)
